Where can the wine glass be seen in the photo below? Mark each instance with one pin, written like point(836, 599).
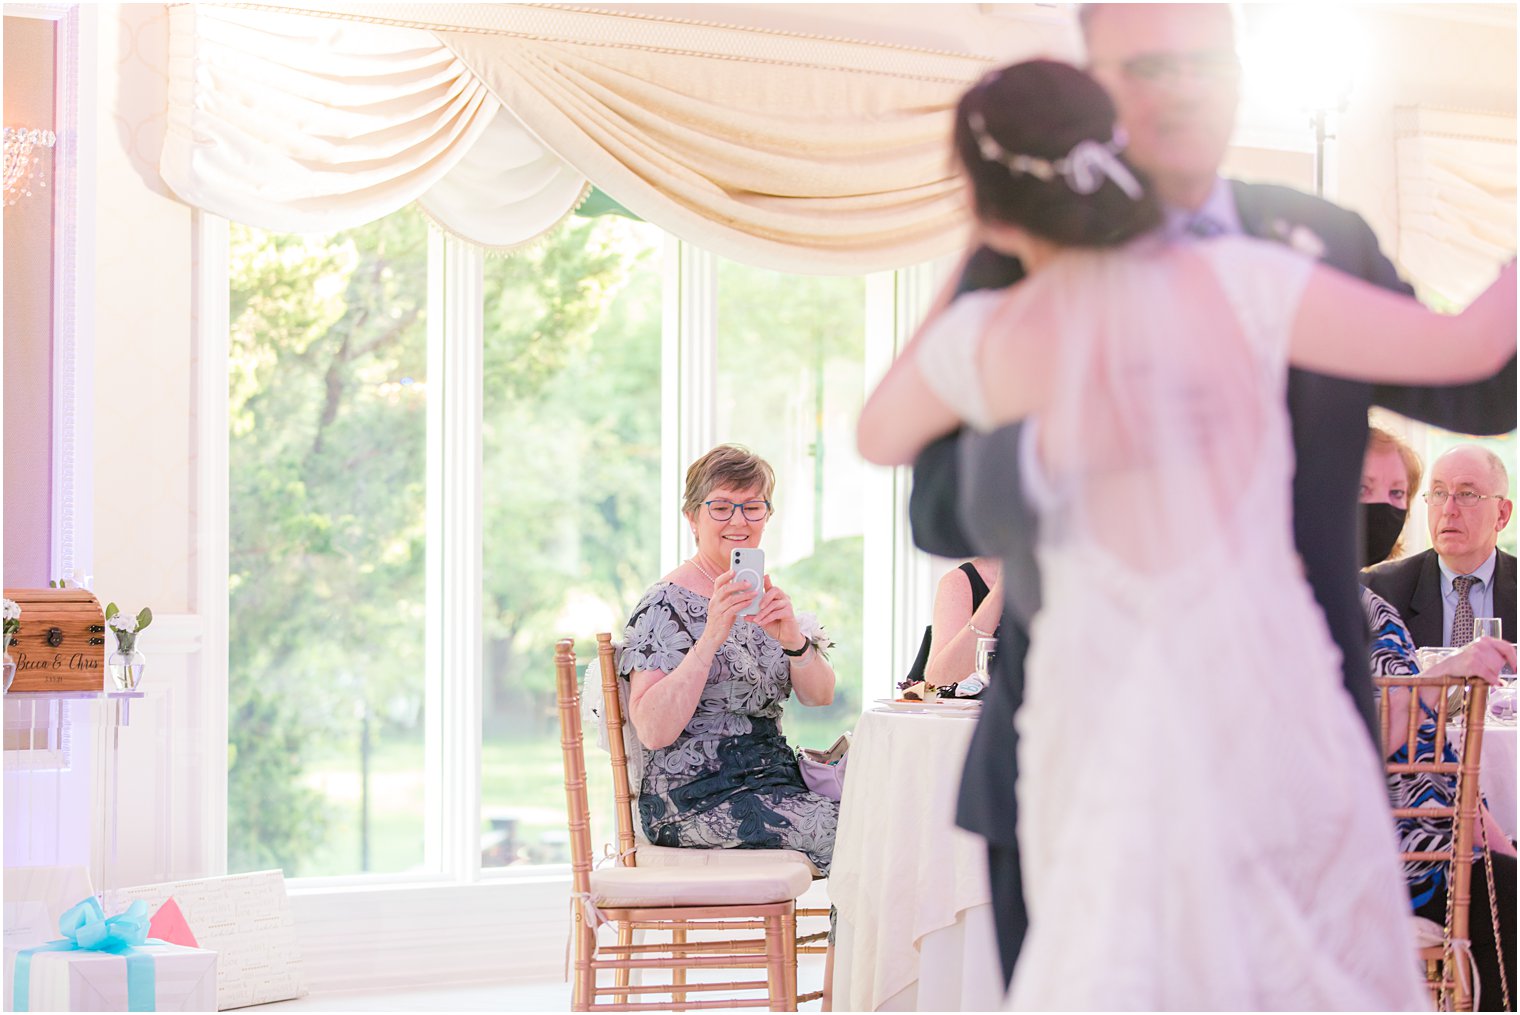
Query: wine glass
point(1491, 627)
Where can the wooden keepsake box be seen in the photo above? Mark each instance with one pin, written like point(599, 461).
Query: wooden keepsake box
point(62, 642)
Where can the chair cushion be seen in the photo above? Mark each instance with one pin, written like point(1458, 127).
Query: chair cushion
point(1427, 933)
point(726, 885)
point(679, 856)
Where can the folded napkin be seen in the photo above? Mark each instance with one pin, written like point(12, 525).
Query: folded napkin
point(1501, 705)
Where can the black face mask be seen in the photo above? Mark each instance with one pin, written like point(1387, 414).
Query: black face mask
point(1381, 525)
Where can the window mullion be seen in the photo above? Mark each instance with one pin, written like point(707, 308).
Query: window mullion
point(881, 655)
point(454, 654)
point(689, 377)
point(917, 573)
point(213, 533)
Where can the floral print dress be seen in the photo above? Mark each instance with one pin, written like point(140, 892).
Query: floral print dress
point(729, 781)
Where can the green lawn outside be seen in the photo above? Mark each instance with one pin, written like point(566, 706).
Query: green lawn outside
point(522, 782)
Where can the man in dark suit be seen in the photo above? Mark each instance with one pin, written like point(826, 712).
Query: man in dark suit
point(1464, 574)
point(1174, 77)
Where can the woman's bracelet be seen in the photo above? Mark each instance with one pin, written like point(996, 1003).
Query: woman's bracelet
point(798, 653)
point(978, 630)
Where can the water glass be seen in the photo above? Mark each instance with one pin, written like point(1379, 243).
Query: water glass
point(986, 648)
point(1492, 627)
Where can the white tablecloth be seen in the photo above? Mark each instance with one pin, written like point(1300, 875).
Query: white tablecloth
point(915, 927)
point(1497, 774)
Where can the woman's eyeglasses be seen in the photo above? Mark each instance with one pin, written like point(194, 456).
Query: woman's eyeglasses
point(723, 510)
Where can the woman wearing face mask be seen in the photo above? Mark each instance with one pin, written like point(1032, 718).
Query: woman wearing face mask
point(1391, 474)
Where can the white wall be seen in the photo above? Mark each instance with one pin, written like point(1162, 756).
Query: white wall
point(1458, 56)
point(145, 453)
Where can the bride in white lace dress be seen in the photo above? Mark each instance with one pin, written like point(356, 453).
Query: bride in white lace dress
point(1203, 821)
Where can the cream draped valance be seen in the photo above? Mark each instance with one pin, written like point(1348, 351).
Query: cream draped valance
point(818, 151)
point(1456, 187)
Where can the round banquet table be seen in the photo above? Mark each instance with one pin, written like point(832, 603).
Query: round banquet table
point(1496, 773)
point(915, 929)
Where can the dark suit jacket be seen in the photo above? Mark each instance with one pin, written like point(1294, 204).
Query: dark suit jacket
point(986, 465)
point(1413, 587)
point(1329, 435)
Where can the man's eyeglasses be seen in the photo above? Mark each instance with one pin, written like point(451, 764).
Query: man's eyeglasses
point(1169, 68)
point(723, 510)
point(1464, 498)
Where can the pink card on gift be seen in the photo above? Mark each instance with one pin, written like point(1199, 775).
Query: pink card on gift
point(168, 924)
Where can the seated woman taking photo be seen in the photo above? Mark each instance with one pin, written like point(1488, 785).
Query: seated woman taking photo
point(707, 687)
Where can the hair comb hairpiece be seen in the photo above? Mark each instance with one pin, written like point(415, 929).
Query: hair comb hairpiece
point(1084, 167)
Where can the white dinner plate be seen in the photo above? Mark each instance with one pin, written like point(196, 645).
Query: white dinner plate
point(931, 705)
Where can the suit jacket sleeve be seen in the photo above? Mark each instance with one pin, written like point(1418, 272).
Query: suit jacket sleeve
point(934, 504)
point(1482, 407)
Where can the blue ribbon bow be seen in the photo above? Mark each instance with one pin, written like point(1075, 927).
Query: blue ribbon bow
point(86, 928)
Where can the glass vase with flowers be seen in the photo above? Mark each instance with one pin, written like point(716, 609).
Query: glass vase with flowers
point(126, 663)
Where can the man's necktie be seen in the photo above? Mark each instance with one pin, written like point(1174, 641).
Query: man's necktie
point(1462, 619)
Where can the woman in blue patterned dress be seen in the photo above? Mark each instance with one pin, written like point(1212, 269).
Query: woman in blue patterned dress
point(706, 687)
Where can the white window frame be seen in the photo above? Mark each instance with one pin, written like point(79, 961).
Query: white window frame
point(455, 891)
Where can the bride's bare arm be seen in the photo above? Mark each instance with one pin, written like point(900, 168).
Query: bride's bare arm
point(902, 415)
point(906, 411)
point(1348, 328)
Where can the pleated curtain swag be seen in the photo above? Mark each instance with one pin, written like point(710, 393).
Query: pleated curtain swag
point(782, 149)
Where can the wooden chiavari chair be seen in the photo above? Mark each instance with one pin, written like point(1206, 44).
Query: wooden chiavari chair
point(1448, 967)
point(676, 900)
point(630, 851)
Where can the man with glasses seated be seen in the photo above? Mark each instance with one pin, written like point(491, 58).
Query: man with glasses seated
point(1464, 575)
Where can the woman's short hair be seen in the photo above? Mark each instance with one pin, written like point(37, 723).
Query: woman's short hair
point(729, 465)
point(1044, 108)
point(1379, 440)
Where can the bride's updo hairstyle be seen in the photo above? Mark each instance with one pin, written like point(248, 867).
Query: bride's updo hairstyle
point(1039, 142)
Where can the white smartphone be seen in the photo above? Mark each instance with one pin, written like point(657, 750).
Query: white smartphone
point(748, 564)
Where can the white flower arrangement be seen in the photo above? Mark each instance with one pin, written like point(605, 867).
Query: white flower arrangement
point(814, 632)
point(126, 627)
point(12, 621)
point(1298, 236)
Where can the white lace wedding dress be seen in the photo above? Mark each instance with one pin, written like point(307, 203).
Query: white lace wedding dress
point(1204, 823)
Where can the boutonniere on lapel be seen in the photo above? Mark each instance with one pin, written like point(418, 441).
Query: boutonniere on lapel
point(1298, 236)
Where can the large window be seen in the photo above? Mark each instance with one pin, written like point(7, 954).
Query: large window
point(571, 494)
point(791, 384)
point(347, 459)
point(328, 454)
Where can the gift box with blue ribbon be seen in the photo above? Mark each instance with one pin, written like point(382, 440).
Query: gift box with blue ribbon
point(110, 964)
